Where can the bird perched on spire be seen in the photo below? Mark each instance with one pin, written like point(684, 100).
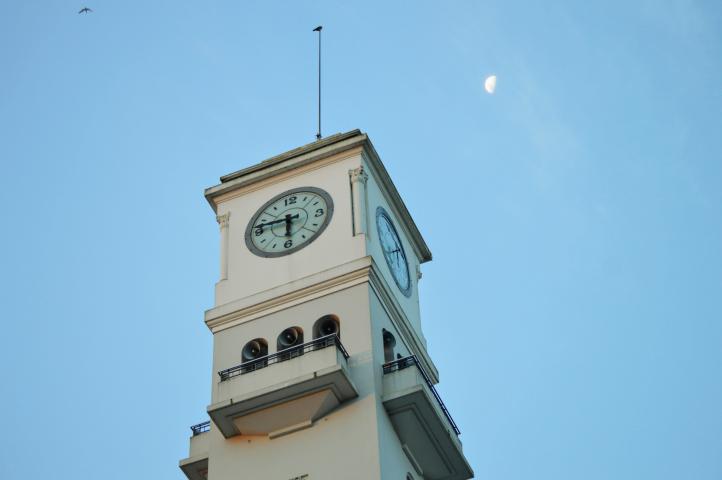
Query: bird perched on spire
point(85, 10)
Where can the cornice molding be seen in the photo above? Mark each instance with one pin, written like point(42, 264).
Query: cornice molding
point(250, 185)
point(274, 167)
point(338, 146)
point(296, 152)
point(357, 272)
point(294, 293)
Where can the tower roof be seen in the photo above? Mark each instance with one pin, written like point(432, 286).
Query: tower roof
point(313, 152)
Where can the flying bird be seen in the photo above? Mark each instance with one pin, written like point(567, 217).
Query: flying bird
point(85, 10)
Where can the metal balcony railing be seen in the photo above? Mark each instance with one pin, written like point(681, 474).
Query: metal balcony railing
point(283, 355)
point(201, 428)
point(411, 361)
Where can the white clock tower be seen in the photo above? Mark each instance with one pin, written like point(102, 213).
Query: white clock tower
point(320, 368)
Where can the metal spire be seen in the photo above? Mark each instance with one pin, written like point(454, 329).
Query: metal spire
point(318, 29)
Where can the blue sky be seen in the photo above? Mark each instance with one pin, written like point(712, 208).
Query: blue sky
point(576, 319)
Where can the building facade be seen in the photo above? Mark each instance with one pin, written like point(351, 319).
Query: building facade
point(320, 368)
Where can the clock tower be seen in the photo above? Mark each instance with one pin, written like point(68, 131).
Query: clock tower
point(320, 368)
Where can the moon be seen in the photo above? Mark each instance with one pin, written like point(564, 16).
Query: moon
point(490, 84)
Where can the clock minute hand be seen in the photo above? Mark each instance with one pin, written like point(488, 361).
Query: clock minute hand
point(267, 224)
point(261, 225)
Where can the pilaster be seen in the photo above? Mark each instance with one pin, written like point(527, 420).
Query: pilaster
point(223, 221)
point(359, 201)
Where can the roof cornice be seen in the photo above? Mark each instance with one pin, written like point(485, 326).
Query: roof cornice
point(314, 152)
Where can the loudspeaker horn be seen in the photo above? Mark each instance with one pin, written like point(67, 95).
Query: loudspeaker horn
point(389, 340)
point(252, 350)
point(289, 337)
point(328, 327)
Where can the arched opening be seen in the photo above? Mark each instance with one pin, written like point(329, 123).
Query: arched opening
point(326, 325)
point(253, 354)
point(289, 343)
point(389, 344)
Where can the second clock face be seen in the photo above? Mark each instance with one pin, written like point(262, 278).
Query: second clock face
point(289, 222)
point(393, 251)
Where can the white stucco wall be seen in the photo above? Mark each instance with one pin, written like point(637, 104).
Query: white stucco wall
point(357, 440)
point(376, 198)
point(249, 273)
point(322, 450)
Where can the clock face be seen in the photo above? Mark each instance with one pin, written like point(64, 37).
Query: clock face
point(393, 251)
point(289, 221)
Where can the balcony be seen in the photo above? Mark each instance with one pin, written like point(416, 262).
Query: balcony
point(195, 466)
point(283, 392)
point(428, 434)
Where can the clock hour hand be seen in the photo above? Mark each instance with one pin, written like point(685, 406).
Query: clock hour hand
point(288, 224)
point(398, 255)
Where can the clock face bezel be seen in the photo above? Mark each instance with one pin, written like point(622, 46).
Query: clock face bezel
point(249, 228)
point(382, 213)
